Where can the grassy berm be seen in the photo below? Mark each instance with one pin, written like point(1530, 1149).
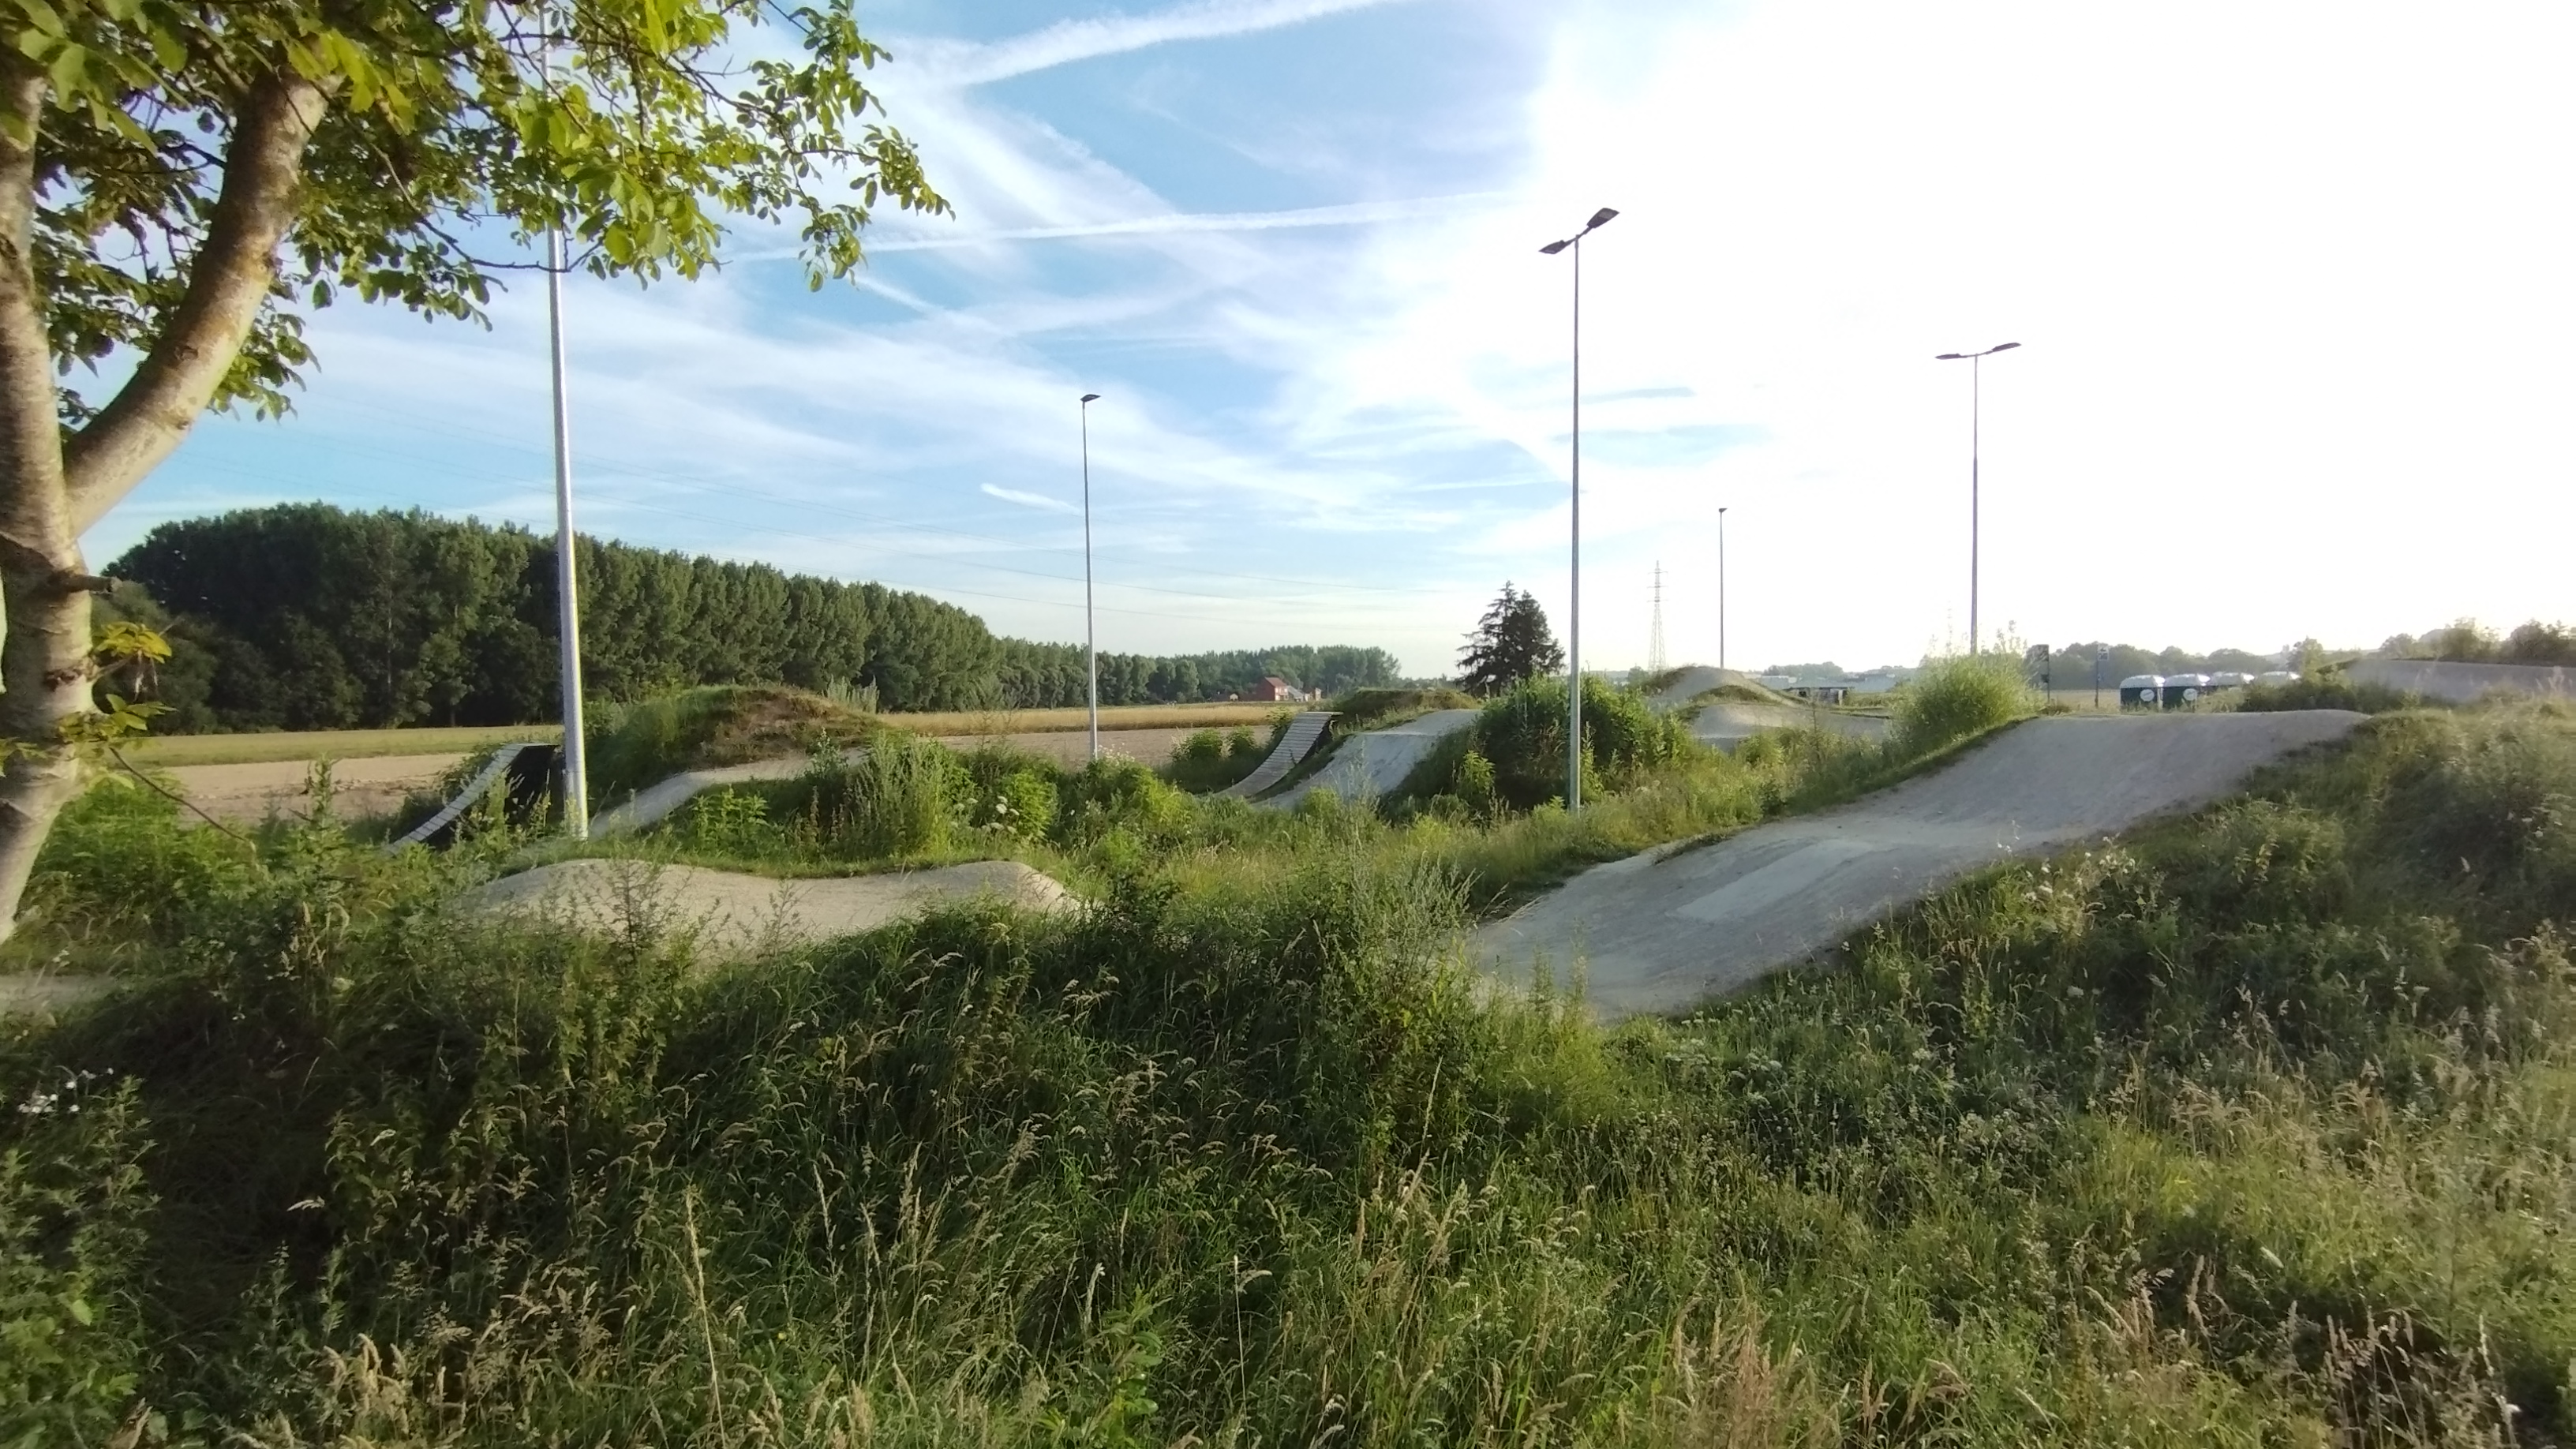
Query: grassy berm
point(2253, 1129)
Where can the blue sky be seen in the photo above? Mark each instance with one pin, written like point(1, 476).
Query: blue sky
point(2291, 282)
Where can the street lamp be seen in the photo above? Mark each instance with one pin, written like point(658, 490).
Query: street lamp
point(576, 772)
point(1721, 588)
point(1574, 572)
point(1975, 361)
point(1090, 633)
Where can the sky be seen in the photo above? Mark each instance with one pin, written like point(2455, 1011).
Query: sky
point(2292, 284)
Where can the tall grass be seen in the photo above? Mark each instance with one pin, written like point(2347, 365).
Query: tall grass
point(2251, 1129)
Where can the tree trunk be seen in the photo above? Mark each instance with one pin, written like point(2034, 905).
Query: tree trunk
point(44, 661)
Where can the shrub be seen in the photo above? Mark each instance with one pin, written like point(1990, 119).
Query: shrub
point(2323, 689)
point(1958, 697)
point(900, 796)
point(1522, 736)
point(1204, 747)
point(1242, 744)
point(1111, 793)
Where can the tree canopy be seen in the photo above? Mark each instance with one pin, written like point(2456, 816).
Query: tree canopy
point(1510, 643)
point(305, 616)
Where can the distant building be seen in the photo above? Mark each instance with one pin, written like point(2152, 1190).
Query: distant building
point(1274, 690)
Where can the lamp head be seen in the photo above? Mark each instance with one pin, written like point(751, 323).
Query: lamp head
point(1600, 218)
point(2003, 347)
point(1091, 397)
point(1951, 357)
point(1552, 248)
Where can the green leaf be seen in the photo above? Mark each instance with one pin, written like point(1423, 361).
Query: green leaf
point(81, 1312)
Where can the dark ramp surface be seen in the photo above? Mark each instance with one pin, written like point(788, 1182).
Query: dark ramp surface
point(1664, 930)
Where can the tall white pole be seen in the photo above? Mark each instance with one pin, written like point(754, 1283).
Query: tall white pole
point(576, 791)
point(1574, 570)
point(1721, 588)
point(1090, 631)
point(1976, 404)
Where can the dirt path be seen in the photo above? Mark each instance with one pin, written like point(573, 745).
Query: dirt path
point(736, 915)
point(246, 793)
point(1663, 930)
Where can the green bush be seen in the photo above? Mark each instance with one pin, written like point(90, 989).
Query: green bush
point(1202, 747)
point(1242, 744)
point(1955, 698)
point(1111, 793)
point(901, 796)
point(1521, 734)
point(2323, 689)
point(1012, 792)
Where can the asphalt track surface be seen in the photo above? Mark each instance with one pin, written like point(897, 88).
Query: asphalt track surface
point(1369, 765)
point(1664, 930)
point(733, 915)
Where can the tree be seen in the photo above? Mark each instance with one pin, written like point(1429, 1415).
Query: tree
point(180, 184)
point(1510, 644)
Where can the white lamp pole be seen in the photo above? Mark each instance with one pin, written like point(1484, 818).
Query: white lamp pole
point(1721, 588)
point(1090, 634)
point(576, 776)
point(1574, 569)
point(1976, 382)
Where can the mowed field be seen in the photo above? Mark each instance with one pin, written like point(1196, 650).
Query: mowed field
point(173, 751)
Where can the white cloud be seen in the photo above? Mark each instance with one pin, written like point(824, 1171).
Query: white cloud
point(955, 64)
point(1029, 500)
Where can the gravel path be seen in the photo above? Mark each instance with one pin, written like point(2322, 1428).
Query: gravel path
point(1663, 930)
point(737, 915)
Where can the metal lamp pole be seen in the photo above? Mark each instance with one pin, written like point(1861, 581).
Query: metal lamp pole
point(1090, 633)
point(1721, 588)
point(576, 775)
point(1574, 572)
point(1975, 361)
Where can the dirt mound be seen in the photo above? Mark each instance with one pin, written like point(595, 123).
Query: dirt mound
point(711, 727)
point(1663, 930)
point(737, 915)
point(1727, 723)
point(1682, 686)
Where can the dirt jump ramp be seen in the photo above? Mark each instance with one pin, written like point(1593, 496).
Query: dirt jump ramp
point(1665, 930)
point(734, 915)
point(1375, 763)
point(1304, 733)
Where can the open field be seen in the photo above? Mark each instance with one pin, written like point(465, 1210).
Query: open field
point(172, 751)
point(1052, 721)
point(246, 791)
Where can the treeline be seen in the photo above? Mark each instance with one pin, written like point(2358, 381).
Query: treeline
point(2469, 642)
point(306, 616)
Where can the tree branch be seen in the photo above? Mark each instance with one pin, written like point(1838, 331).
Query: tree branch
point(228, 285)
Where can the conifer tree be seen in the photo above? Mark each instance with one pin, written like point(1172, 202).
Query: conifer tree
point(1511, 643)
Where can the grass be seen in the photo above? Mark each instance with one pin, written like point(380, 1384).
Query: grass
point(2253, 1128)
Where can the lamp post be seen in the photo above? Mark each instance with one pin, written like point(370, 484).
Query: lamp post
point(1574, 571)
point(1721, 588)
point(1975, 361)
point(576, 774)
point(1090, 632)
